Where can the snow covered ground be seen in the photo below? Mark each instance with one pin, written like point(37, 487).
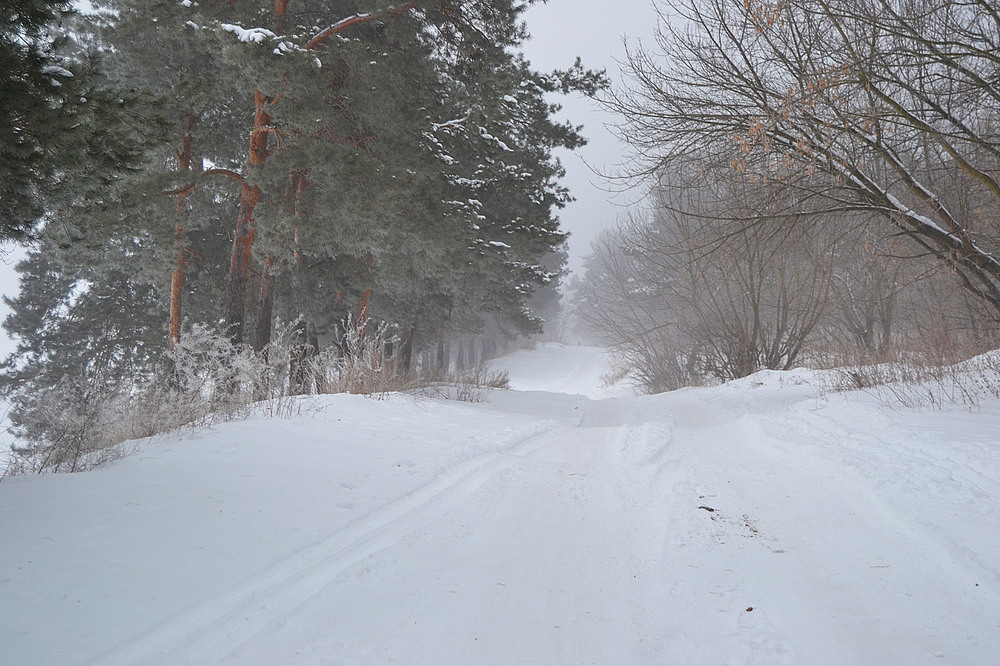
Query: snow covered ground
point(754, 523)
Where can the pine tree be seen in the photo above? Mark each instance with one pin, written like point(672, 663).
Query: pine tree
point(328, 164)
point(65, 135)
point(82, 336)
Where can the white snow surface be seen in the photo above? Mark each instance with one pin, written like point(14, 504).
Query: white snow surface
point(547, 525)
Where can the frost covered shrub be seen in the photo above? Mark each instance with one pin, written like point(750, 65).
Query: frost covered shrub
point(359, 363)
point(922, 381)
point(83, 422)
point(714, 284)
point(72, 428)
point(207, 373)
point(472, 385)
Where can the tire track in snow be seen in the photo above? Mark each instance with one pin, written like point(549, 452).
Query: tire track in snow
point(210, 630)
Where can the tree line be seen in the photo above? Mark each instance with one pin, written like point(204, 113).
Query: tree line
point(291, 168)
point(824, 179)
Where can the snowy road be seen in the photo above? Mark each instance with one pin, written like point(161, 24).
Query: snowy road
point(749, 524)
point(535, 554)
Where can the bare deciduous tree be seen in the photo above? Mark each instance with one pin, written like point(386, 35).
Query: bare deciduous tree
point(885, 109)
point(699, 290)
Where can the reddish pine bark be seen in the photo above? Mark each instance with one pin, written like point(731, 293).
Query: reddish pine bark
point(280, 10)
point(362, 314)
point(239, 266)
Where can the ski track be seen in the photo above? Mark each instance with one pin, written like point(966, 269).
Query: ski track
point(551, 542)
point(209, 630)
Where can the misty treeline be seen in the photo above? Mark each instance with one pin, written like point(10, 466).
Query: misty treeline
point(824, 189)
point(230, 201)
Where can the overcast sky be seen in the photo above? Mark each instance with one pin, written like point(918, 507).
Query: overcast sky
point(594, 30)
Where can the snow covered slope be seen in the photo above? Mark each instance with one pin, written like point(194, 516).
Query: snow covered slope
point(752, 523)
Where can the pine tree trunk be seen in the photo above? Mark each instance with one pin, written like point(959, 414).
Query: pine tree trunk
point(312, 339)
point(406, 348)
point(177, 277)
point(298, 357)
point(262, 336)
point(298, 182)
point(280, 10)
point(489, 349)
point(180, 234)
point(362, 315)
point(239, 266)
point(441, 365)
